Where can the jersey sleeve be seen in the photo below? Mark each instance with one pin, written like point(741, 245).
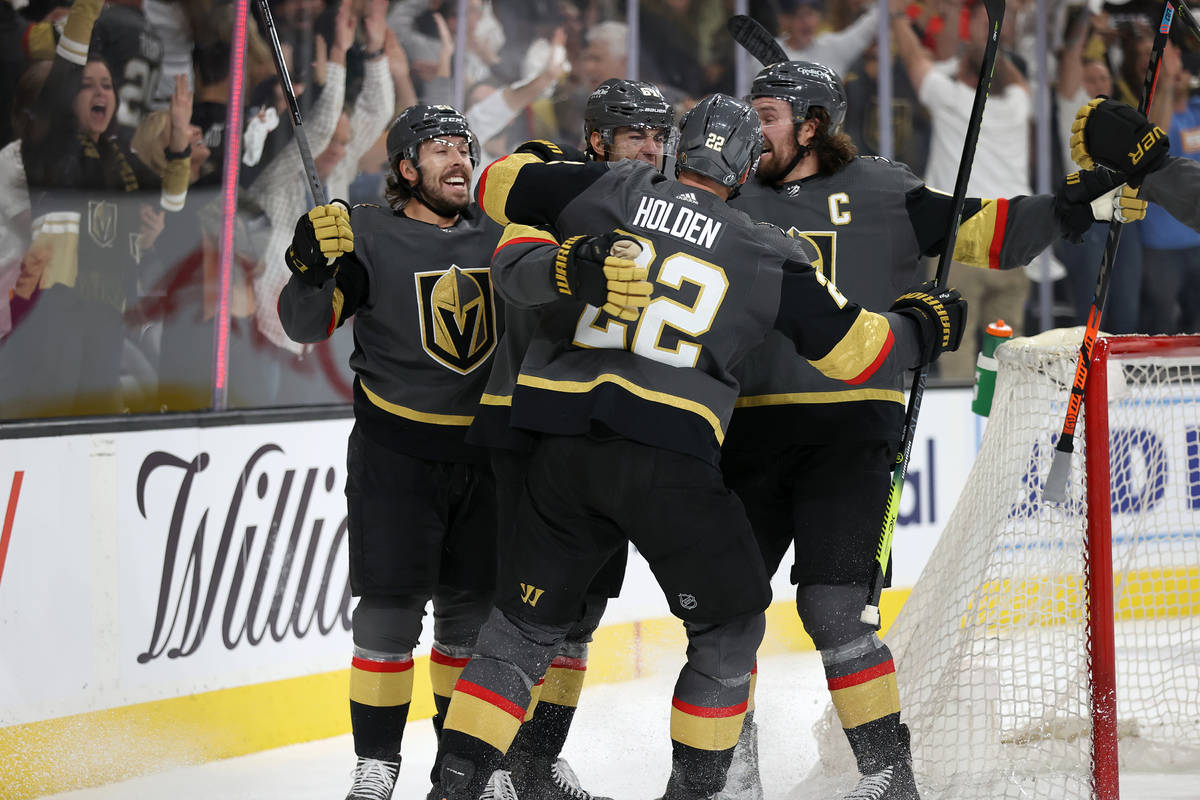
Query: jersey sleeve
point(523, 264)
point(1174, 187)
point(843, 340)
point(993, 233)
point(520, 188)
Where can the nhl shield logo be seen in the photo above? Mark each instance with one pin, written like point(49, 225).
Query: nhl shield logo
point(102, 222)
point(458, 317)
point(687, 601)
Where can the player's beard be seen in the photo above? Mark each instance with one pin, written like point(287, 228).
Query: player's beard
point(442, 201)
point(773, 166)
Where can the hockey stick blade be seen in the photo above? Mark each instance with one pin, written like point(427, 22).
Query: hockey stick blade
point(1055, 489)
point(756, 40)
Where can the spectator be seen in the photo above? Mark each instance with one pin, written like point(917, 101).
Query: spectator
point(800, 26)
point(1079, 80)
point(1000, 168)
point(1170, 301)
point(281, 190)
point(606, 54)
point(92, 231)
point(910, 120)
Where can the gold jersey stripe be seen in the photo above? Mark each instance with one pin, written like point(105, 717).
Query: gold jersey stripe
point(582, 387)
point(535, 697)
point(497, 181)
point(516, 233)
point(339, 302)
point(477, 717)
point(858, 349)
point(865, 702)
point(819, 398)
point(563, 686)
point(495, 399)
point(413, 414)
point(706, 733)
point(381, 689)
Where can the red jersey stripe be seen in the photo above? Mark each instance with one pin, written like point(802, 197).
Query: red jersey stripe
point(998, 233)
point(563, 662)
point(370, 665)
point(438, 657)
point(708, 713)
point(863, 376)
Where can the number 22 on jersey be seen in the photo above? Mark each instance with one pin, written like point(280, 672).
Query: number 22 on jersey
point(685, 320)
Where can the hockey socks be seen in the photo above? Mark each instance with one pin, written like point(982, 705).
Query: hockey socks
point(546, 727)
point(444, 670)
point(380, 694)
point(862, 682)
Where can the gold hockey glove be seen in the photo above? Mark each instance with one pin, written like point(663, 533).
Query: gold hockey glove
point(1119, 137)
point(322, 236)
point(1119, 205)
point(940, 313)
point(601, 271)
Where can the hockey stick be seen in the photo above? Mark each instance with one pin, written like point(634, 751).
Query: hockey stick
point(1188, 18)
point(1055, 490)
point(756, 40)
point(306, 159)
point(883, 552)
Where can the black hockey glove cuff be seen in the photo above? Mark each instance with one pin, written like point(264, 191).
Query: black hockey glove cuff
point(940, 313)
point(1119, 137)
point(548, 151)
point(601, 271)
point(1073, 200)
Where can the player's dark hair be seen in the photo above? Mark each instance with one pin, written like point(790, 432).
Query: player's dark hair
point(834, 151)
point(398, 191)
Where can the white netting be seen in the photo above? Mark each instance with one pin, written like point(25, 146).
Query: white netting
point(991, 647)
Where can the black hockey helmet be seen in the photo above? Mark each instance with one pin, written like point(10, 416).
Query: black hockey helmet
point(620, 103)
point(804, 84)
point(423, 122)
point(720, 138)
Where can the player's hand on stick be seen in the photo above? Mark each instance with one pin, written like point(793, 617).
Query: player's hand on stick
point(940, 313)
point(1093, 195)
point(1119, 137)
point(322, 236)
point(601, 271)
point(1119, 205)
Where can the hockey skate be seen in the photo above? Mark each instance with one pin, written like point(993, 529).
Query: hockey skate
point(891, 780)
point(541, 779)
point(499, 787)
point(373, 779)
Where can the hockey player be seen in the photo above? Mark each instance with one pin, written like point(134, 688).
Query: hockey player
point(810, 457)
point(420, 499)
point(622, 119)
point(631, 417)
point(1118, 137)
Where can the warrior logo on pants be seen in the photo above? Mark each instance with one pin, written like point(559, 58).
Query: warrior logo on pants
point(458, 316)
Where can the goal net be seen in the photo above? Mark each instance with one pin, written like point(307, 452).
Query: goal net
point(1006, 687)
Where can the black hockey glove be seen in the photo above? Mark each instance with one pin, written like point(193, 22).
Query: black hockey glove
point(600, 271)
point(548, 151)
point(1119, 137)
point(322, 236)
point(1096, 195)
point(941, 314)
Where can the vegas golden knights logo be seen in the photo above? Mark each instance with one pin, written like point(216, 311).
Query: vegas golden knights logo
point(825, 244)
point(531, 594)
point(102, 222)
point(458, 317)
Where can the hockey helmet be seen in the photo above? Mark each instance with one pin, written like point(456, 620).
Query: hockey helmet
point(620, 103)
point(805, 85)
point(420, 123)
point(720, 138)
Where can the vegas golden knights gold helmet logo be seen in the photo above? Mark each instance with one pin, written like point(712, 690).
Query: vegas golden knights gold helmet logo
point(458, 317)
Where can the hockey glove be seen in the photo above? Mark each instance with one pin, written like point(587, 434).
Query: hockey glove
point(1119, 137)
point(1119, 205)
point(548, 151)
point(1079, 201)
point(600, 271)
point(940, 313)
point(322, 236)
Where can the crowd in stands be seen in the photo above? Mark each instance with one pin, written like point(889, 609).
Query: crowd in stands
point(113, 136)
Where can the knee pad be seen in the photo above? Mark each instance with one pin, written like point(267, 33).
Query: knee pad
point(830, 613)
point(458, 614)
point(727, 650)
point(388, 624)
point(527, 646)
